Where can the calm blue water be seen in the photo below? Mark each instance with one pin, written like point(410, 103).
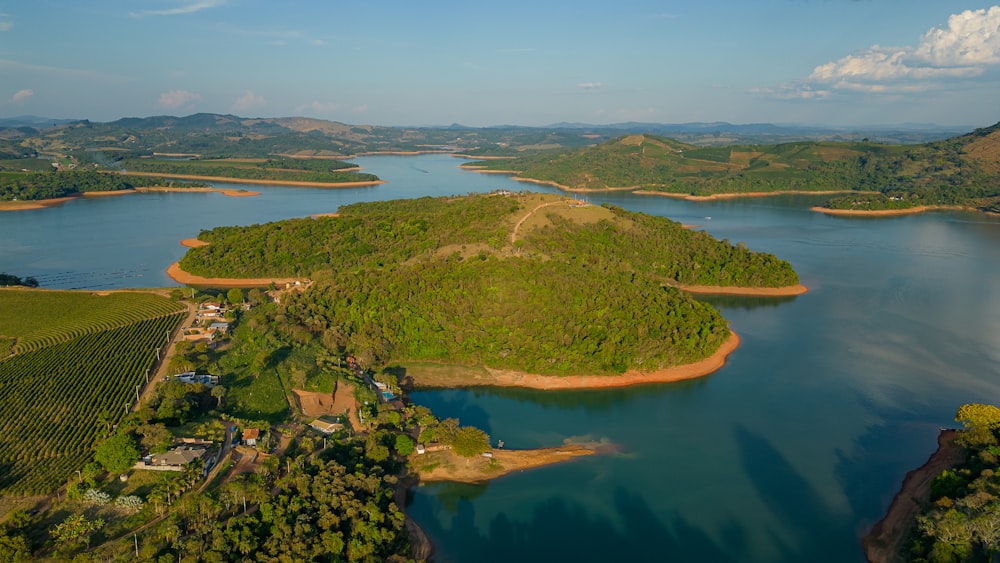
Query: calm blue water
point(786, 454)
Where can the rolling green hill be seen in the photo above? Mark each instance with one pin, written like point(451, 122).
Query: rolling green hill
point(958, 171)
point(517, 281)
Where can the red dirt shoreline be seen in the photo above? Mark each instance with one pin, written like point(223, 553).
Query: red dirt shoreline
point(883, 542)
point(180, 276)
point(734, 195)
point(193, 243)
point(43, 203)
point(510, 378)
point(882, 212)
point(259, 182)
point(786, 291)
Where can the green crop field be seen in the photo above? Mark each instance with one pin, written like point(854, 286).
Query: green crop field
point(35, 319)
point(63, 392)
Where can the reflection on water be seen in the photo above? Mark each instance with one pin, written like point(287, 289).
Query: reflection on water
point(744, 302)
point(785, 454)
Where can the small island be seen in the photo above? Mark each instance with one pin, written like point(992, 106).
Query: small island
point(38, 190)
point(22, 190)
point(283, 171)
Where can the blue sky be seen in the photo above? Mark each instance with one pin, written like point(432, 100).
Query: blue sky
point(833, 62)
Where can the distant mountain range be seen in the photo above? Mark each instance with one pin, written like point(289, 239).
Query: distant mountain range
point(33, 121)
point(701, 133)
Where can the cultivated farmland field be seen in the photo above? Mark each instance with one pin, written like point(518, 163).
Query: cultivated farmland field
point(35, 319)
point(76, 363)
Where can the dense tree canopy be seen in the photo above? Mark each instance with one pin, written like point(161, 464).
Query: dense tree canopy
point(579, 291)
point(962, 521)
point(118, 453)
point(957, 171)
point(49, 185)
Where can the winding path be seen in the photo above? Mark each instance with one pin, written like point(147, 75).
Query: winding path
point(513, 234)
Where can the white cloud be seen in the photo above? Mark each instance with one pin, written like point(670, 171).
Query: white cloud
point(177, 98)
point(964, 49)
point(589, 85)
point(361, 109)
point(968, 47)
point(189, 8)
point(972, 38)
point(22, 95)
point(318, 107)
point(247, 102)
point(792, 91)
point(6, 26)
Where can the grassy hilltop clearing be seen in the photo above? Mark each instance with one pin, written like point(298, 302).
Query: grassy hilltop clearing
point(958, 171)
point(69, 362)
point(529, 282)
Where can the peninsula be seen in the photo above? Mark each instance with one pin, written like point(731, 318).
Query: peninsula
point(516, 283)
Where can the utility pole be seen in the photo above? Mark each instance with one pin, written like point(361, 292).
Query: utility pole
point(136, 536)
point(126, 409)
point(137, 394)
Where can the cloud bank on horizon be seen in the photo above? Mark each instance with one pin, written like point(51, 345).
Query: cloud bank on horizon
point(968, 47)
point(406, 64)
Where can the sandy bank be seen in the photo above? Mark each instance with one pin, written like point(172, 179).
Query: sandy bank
point(223, 191)
point(193, 243)
point(34, 204)
point(259, 182)
point(569, 189)
point(881, 212)
point(472, 157)
point(43, 203)
point(712, 197)
point(445, 465)
point(882, 544)
point(180, 276)
point(318, 215)
point(510, 378)
point(557, 185)
point(403, 153)
point(788, 290)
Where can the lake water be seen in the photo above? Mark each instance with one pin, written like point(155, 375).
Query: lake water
point(788, 453)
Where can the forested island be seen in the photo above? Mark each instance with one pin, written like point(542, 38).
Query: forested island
point(961, 171)
point(36, 186)
point(286, 171)
point(527, 282)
